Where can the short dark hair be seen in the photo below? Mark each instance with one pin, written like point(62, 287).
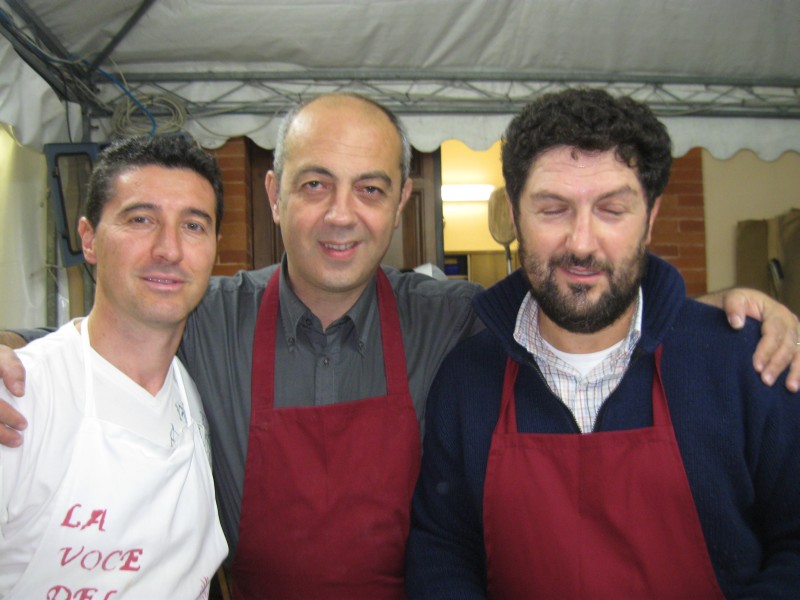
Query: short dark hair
point(288, 119)
point(171, 152)
point(588, 119)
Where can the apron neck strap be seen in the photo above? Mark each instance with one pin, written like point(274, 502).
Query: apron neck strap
point(263, 368)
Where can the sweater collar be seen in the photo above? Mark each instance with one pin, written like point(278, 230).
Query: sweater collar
point(663, 290)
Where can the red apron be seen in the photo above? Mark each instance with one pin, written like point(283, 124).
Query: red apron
point(605, 515)
point(327, 490)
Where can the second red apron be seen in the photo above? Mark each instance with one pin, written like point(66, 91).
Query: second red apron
point(327, 491)
point(604, 515)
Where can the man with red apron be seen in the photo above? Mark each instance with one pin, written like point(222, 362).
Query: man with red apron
point(604, 437)
point(672, 494)
point(327, 489)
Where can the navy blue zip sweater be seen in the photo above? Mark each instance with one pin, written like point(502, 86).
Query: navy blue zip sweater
point(739, 440)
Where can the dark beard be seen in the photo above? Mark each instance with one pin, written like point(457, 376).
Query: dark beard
point(572, 311)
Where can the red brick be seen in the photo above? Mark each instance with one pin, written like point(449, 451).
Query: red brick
point(693, 290)
point(235, 187)
point(685, 263)
point(679, 188)
point(696, 250)
point(235, 217)
point(691, 200)
point(664, 250)
point(691, 225)
point(234, 230)
point(664, 228)
point(690, 212)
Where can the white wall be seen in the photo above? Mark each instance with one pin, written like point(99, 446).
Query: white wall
point(743, 187)
point(23, 219)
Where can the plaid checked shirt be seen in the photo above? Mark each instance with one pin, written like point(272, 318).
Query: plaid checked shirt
point(582, 394)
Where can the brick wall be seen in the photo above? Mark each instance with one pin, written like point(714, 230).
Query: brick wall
point(679, 231)
point(235, 250)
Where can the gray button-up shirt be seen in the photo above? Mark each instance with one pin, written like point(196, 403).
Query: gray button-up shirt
point(313, 367)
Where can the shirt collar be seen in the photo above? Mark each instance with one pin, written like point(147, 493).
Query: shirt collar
point(293, 312)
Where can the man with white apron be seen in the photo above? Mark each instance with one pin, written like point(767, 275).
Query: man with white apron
point(112, 496)
point(604, 437)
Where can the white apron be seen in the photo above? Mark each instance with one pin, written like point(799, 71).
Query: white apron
point(131, 519)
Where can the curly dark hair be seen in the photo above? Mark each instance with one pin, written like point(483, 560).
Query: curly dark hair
point(588, 119)
point(171, 152)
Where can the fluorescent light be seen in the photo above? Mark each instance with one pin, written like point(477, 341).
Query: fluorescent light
point(467, 192)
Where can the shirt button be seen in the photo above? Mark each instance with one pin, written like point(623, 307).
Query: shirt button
point(325, 361)
point(360, 345)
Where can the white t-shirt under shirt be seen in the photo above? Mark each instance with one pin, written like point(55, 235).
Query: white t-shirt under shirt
point(54, 406)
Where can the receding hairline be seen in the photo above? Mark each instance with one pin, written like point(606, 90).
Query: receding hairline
point(336, 101)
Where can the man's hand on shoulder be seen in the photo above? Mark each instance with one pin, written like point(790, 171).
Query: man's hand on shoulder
point(13, 375)
point(780, 331)
point(12, 340)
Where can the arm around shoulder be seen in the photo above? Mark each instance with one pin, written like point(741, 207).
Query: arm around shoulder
point(12, 340)
point(779, 347)
point(13, 376)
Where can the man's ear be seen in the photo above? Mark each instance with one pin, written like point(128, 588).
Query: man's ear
point(87, 234)
point(271, 184)
point(652, 218)
point(405, 194)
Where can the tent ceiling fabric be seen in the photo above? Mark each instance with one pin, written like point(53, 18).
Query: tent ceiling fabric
point(724, 74)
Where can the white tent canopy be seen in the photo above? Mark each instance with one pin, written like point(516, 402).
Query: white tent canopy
point(723, 74)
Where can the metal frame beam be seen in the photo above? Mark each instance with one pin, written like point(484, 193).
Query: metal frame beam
point(461, 93)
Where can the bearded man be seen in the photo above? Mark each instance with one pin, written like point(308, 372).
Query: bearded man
point(604, 437)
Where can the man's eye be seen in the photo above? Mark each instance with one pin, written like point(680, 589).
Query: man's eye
point(199, 227)
point(613, 211)
point(371, 191)
point(554, 211)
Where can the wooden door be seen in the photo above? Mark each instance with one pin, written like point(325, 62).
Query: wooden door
point(267, 241)
point(419, 238)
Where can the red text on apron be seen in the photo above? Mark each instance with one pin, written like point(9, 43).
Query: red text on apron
point(327, 491)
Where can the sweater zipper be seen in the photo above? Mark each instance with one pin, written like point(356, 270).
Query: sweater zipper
point(532, 363)
point(637, 352)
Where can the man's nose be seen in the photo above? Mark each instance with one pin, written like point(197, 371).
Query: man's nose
point(168, 244)
point(582, 238)
point(340, 212)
